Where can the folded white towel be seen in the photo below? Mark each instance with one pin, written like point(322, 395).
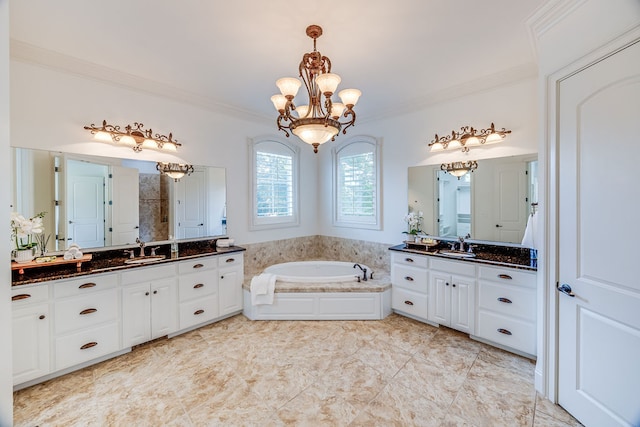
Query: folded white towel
point(77, 254)
point(68, 255)
point(262, 288)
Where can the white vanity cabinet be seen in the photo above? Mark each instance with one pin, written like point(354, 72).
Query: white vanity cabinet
point(198, 291)
point(31, 332)
point(452, 294)
point(410, 288)
point(149, 303)
point(86, 319)
point(507, 308)
point(231, 276)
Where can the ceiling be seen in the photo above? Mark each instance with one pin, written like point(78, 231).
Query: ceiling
point(400, 54)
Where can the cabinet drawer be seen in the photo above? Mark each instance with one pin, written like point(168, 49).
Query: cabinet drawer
point(84, 285)
point(409, 259)
point(508, 300)
point(507, 331)
point(86, 345)
point(409, 302)
point(23, 295)
point(198, 264)
point(411, 278)
point(508, 276)
point(87, 310)
point(148, 274)
point(453, 267)
point(196, 285)
point(230, 260)
point(198, 311)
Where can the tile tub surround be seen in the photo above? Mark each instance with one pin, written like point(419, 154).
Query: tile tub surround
point(349, 373)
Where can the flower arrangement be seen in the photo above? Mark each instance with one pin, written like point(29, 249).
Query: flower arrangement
point(23, 228)
point(414, 220)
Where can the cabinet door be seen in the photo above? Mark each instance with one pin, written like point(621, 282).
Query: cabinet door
point(440, 298)
point(31, 343)
point(164, 307)
point(462, 303)
point(230, 292)
point(136, 312)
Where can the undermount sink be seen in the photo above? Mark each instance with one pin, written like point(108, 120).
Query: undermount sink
point(145, 259)
point(457, 254)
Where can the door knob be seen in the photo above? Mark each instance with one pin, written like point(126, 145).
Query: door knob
point(498, 226)
point(566, 289)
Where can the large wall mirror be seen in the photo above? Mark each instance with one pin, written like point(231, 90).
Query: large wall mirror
point(492, 203)
point(98, 202)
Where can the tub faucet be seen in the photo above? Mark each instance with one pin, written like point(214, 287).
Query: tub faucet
point(364, 271)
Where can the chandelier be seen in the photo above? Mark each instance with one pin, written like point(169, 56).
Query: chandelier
point(459, 169)
point(174, 170)
point(318, 121)
point(134, 136)
point(468, 137)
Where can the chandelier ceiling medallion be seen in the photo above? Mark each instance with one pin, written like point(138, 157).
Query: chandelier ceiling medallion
point(459, 169)
point(318, 121)
point(174, 170)
point(468, 137)
point(136, 136)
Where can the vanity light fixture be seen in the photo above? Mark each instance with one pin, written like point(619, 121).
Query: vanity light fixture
point(459, 169)
point(316, 122)
point(174, 170)
point(134, 136)
point(468, 137)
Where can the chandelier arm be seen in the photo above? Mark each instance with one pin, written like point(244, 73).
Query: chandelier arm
point(351, 122)
point(281, 127)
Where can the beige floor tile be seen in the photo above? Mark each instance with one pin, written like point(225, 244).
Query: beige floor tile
point(383, 357)
point(557, 412)
point(316, 406)
point(543, 420)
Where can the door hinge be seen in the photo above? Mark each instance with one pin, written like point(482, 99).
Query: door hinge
point(56, 202)
point(110, 230)
point(110, 202)
point(110, 175)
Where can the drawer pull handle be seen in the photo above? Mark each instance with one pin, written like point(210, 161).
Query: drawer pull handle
point(408, 302)
point(505, 300)
point(41, 317)
point(146, 293)
point(505, 276)
point(88, 311)
point(155, 292)
point(408, 278)
point(198, 266)
point(89, 345)
point(20, 296)
point(408, 259)
point(198, 286)
point(197, 312)
point(87, 285)
point(504, 331)
point(230, 260)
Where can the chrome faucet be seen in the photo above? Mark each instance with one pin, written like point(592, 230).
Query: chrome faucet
point(130, 252)
point(364, 271)
point(461, 244)
point(141, 244)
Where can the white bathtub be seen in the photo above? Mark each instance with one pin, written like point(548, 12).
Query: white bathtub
point(322, 290)
point(317, 271)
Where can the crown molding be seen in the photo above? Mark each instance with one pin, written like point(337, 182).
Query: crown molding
point(28, 53)
point(547, 16)
point(492, 81)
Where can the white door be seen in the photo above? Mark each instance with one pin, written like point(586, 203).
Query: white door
point(125, 205)
point(85, 211)
point(599, 203)
point(164, 307)
point(463, 304)
point(136, 314)
point(191, 205)
point(510, 189)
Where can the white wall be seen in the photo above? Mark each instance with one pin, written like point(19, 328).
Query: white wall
point(49, 109)
point(405, 140)
point(6, 395)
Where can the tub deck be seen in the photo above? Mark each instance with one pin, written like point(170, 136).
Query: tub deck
point(370, 300)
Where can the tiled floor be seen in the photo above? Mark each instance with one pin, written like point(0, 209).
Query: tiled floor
point(395, 372)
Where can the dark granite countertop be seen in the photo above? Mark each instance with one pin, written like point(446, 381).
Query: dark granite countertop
point(495, 255)
point(113, 260)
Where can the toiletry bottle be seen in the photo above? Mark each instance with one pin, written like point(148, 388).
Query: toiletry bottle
point(174, 248)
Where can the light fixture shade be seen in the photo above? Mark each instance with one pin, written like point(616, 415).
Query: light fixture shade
point(279, 101)
point(459, 172)
point(302, 110)
point(349, 96)
point(128, 140)
point(288, 86)
point(103, 136)
point(149, 143)
point(315, 133)
point(474, 140)
point(328, 83)
point(454, 143)
point(169, 147)
point(336, 109)
point(493, 138)
point(175, 174)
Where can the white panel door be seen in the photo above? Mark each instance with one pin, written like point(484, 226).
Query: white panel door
point(599, 325)
point(85, 212)
point(191, 205)
point(510, 189)
point(125, 205)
